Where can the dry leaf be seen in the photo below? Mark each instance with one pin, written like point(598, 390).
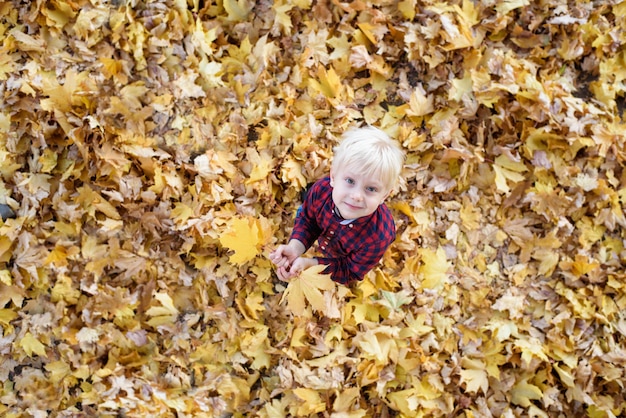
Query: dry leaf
point(307, 290)
point(243, 236)
point(151, 151)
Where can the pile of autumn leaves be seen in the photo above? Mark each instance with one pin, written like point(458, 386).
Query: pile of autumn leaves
point(154, 152)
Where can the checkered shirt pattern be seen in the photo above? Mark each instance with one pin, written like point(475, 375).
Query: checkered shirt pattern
point(351, 250)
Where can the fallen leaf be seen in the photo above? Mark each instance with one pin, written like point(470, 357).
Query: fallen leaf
point(306, 290)
point(243, 236)
point(31, 345)
point(434, 269)
point(523, 393)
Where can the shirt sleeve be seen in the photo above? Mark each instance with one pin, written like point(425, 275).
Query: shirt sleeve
point(306, 228)
point(374, 243)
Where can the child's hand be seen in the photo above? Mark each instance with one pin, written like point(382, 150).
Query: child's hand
point(284, 274)
point(284, 255)
point(299, 264)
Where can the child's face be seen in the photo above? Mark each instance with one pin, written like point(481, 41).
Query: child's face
point(356, 195)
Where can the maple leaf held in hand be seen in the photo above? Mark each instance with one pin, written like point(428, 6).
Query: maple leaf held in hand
point(308, 287)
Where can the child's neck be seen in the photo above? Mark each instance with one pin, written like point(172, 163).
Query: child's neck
point(343, 220)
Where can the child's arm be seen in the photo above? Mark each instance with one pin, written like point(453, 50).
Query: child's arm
point(305, 232)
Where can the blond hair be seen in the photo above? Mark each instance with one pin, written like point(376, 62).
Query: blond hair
point(370, 151)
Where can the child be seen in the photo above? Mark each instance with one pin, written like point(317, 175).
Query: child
point(345, 212)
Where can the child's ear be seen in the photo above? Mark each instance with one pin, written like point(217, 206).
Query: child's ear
point(332, 178)
point(386, 196)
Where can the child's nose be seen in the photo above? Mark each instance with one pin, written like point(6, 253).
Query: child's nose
point(357, 195)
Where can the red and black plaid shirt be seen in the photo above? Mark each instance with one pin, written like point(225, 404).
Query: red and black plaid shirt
point(351, 250)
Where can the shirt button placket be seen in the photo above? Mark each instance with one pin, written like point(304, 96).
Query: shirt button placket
point(327, 238)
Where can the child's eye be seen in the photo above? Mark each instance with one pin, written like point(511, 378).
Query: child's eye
point(349, 180)
point(371, 189)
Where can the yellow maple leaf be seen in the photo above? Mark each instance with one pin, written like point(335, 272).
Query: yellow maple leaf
point(308, 287)
point(254, 345)
point(407, 8)
point(5, 277)
point(341, 46)
point(346, 399)
point(416, 327)
point(312, 402)
point(64, 290)
point(406, 401)
point(27, 42)
point(524, 392)
point(511, 301)
point(282, 16)
point(506, 6)
point(7, 65)
point(164, 314)
point(58, 256)
point(460, 87)
point(379, 344)
point(329, 83)
point(530, 348)
point(405, 208)
point(291, 172)
point(48, 160)
point(590, 232)
point(6, 316)
point(474, 380)
point(92, 201)
point(566, 375)
point(181, 213)
point(31, 345)
point(298, 337)
point(252, 304)
point(420, 104)
point(243, 236)
point(110, 66)
point(11, 293)
point(506, 169)
point(434, 268)
point(186, 82)
point(238, 10)
point(395, 300)
point(501, 329)
point(262, 165)
point(58, 370)
point(458, 34)
point(368, 30)
point(470, 216)
point(211, 72)
point(203, 38)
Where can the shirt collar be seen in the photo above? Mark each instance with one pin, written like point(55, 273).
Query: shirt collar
point(342, 220)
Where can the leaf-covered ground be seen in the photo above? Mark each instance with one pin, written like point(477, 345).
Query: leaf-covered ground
point(154, 152)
